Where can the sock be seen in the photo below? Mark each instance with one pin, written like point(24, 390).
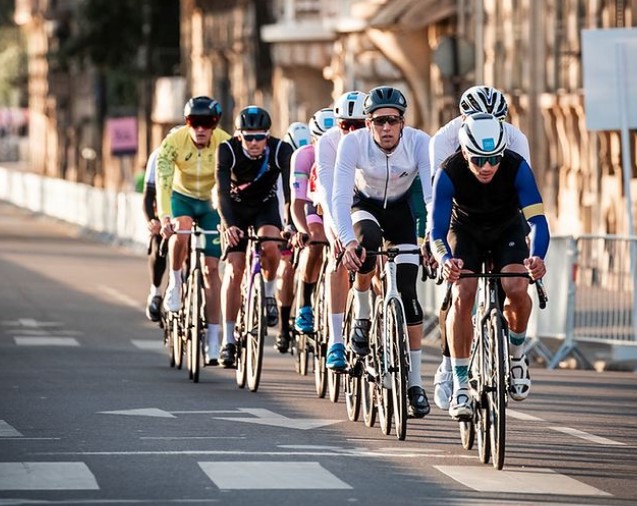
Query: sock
point(212, 338)
point(154, 290)
point(460, 373)
point(175, 277)
point(363, 308)
point(270, 288)
point(284, 319)
point(307, 290)
point(516, 343)
point(228, 333)
point(414, 378)
point(446, 364)
point(336, 329)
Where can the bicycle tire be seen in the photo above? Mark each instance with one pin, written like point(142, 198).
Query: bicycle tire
point(255, 337)
point(498, 391)
point(334, 385)
point(176, 341)
point(467, 433)
point(240, 331)
point(321, 336)
point(368, 402)
point(303, 353)
point(197, 327)
point(353, 390)
point(395, 318)
point(482, 417)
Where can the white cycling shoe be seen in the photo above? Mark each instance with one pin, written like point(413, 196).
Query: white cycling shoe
point(520, 378)
point(172, 298)
point(460, 407)
point(212, 352)
point(443, 388)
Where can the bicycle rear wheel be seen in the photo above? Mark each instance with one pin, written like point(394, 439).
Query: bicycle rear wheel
point(498, 391)
point(395, 319)
point(255, 337)
point(240, 341)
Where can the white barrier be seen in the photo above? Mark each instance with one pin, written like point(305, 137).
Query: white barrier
point(117, 215)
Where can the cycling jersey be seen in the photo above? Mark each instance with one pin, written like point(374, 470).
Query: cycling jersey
point(301, 169)
point(444, 142)
point(381, 178)
point(484, 210)
point(184, 168)
point(151, 168)
point(245, 181)
point(325, 158)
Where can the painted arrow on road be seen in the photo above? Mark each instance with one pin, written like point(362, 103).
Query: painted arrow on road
point(259, 416)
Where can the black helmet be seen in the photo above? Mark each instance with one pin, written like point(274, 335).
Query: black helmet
point(202, 106)
point(253, 118)
point(385, 96)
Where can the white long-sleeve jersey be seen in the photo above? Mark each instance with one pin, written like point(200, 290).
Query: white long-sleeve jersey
point(444, 143)
point(325, 159)
point(363, 167)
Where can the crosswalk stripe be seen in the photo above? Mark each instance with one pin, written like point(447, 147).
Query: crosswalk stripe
point(46, 476)
point(271, 476)
point(149, 344)
point(588, 437)
point(45, 341)
point(7, 430)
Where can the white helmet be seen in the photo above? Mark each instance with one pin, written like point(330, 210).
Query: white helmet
point(482, 135)
point(298, 135)
point(483, 99)
point(321, 121)
point(350, 105)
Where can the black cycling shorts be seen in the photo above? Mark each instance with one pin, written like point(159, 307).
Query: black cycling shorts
point(245, 216)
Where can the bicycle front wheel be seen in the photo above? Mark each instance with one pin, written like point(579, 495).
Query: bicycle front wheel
point(257, 330)
point(240, 341)
point(498, 390)
point(395, 321)
point(197, 323)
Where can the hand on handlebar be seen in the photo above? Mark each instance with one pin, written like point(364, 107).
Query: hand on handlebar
point(535, 267)
point(353, 256)
point(167, 228)
point(233, 235)
point(451, 269)
point(154, 226)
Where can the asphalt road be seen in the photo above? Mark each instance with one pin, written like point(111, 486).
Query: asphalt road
point(91, 412)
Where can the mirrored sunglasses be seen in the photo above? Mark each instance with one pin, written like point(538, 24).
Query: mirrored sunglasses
point(254, 137)
point(481, 161)
point(202, 121)
point(390, 120)
point(349, 124)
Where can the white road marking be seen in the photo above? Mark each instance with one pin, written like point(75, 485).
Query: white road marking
point(149, 344)
point(46, 476)
point(172, 438)
point(30, 322)
point(48, 332)
point(525, 417)
point(536, 481)
point(271, 476)
point(45, 341)
point(7, 430)
point(154, 412)
point(588, 437)
point(267, 417)
point(121, 297)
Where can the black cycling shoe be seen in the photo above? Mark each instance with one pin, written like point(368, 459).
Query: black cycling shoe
point(227, 355)
point(153, 310)
point(283, 343)
point(418, 403)
point(359, 336)
point(272, 311)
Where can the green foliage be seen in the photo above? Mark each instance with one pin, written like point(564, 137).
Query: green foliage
point(13, 64)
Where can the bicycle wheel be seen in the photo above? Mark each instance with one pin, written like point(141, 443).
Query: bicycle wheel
point(321, 335)
point(368, 398)
point(240, 341)
point(303, 353)
point(482, 420)
point(255, 337)
point(197, 323)
point(498, 391)
point(395, 319)
point(353, 387)
point(467, 433)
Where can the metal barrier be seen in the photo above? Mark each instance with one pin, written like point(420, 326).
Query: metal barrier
point(601, 303)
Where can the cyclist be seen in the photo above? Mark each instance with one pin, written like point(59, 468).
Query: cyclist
point(156, 261)
point(350, 116)
point(443, 144)
point(248, 169)
point(306, 218)
point(486, 199)
point(186, 175)
point(375, 169)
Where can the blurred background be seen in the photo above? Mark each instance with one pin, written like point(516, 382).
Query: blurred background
point(88, 88)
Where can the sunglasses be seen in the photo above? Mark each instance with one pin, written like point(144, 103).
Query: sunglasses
point(206, 122)
point(254, 137)
point(349, 124)
point(390, 120)
point(481, 161)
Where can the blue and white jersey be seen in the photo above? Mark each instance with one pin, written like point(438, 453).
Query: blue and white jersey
point(362, 167)
point(151, 168)
point(325, 159)
point(444, 143)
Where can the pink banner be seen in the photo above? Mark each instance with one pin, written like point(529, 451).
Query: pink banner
point(123, 135)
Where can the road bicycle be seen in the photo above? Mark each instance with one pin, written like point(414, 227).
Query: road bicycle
point(489, 368)
point(251, 327)
point(187, 327)
point(315, 342)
